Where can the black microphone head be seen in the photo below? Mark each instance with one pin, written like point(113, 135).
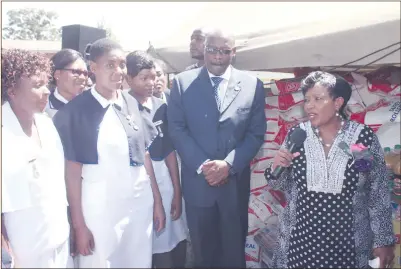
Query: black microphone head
point(298, 137)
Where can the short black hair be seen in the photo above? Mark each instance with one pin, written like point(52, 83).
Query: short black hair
point(62, 59)
point(162, 64)
point(101, 47)
point(137, 61)
point(336, 85)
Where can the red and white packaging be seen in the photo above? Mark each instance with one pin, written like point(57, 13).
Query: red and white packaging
point(272, 129)
point(385, 81)
point(270, 146)
point(254, 223)
point(260, 209)
point(265, 153)
point(295, 113)
point(385, 89)
point(258, 180)
point(272, 125)
point(282, 87)
point(272, 114)
point(389, 134)
point(260, 165)
point(267, 238)
point(361, 94)
point(274, 199)
point(382, 112)
point(277, 130)
point(252, 252)
point(284, 102)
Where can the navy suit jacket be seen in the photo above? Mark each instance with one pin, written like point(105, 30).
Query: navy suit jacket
point(200, 131)
point(167, 94)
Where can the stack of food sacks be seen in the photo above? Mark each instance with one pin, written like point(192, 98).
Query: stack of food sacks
point(284, 109)
point(375, 101)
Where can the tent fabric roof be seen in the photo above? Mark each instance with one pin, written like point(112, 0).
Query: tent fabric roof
point(286, 35)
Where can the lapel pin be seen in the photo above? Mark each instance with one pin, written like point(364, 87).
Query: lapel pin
point(132, 123)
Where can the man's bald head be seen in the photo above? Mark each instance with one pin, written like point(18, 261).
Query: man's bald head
point(212, 34)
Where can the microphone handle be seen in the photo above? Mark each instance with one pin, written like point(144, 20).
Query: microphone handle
point(279, 169)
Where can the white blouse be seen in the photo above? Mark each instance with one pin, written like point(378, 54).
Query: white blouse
point(31, 175)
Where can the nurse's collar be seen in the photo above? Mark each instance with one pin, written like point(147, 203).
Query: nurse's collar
point(104, 102)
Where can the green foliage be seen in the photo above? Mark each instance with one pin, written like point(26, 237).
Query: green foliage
point(31, 24)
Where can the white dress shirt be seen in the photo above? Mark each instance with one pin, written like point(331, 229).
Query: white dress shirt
point(222, 93)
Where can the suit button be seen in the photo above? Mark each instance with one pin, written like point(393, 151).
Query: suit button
point(205, 115)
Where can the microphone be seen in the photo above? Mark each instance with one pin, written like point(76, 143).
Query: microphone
point(297, 138)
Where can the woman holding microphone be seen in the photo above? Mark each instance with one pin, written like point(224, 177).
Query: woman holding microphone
point(338, 198)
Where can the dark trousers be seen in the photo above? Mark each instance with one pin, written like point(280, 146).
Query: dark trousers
point(172, 259)
point(244, 191)
point(217, 235)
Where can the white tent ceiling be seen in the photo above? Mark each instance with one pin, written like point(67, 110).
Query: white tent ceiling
point(280, 36)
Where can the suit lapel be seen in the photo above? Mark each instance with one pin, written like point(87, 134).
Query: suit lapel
point(233, 88)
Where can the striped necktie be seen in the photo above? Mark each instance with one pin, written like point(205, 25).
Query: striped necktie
point(216, 83)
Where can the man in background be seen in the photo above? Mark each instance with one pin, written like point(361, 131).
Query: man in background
point(197, 47)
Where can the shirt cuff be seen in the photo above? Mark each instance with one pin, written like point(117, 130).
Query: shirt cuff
point(231, 170)
point(199, 171)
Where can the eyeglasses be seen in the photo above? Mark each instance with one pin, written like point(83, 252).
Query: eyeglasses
point(216, 50)
point(77, 72)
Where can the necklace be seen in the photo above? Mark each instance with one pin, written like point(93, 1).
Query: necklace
point(327, 145)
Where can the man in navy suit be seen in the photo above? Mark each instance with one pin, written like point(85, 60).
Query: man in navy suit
point(217, 124)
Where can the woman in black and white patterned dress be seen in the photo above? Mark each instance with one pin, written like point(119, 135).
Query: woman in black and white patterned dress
point(338, 210)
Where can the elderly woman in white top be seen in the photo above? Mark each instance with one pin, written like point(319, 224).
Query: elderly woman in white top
point(35, 228)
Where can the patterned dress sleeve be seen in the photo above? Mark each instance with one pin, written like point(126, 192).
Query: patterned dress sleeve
point(282, 183)
point(379, 199)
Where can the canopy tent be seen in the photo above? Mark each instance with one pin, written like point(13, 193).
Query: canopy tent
point(309, 34)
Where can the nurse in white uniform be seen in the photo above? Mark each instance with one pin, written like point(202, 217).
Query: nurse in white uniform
point(113, 195)
point(35, 228)
point(169, 246)
point(69, 78)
